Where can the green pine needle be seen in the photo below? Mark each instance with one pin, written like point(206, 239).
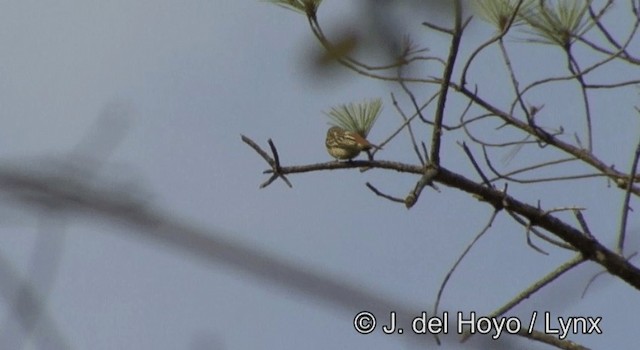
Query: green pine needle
point(499, 12)
point(559, 24)
point(358, 118)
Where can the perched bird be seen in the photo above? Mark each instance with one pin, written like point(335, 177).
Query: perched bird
point(344, 144)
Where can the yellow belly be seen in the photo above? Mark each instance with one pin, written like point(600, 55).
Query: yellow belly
point(343, 153)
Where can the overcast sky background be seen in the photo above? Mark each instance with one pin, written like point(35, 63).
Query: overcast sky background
point(182, 80)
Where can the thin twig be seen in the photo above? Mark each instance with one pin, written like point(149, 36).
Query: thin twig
point(276, 168)
point(467, 151)
point(528, 292)
point(597, 275)
point(458, 261)
point(627, 198)
point(436, 138)
point(406, 120)
point(539, 234)
point(582, 222)
point(377, 192)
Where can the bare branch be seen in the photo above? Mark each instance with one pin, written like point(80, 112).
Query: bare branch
point(528, 292)
point(427, 179)
point(446, 81)
point(406, 120)
point(467, 151)
point(588, 246)
point(273, 162)
point(627, 197)
point(458, 261)
point(386, 196)
point(582, 222)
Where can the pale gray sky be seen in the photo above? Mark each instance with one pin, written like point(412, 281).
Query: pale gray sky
point(187, 78)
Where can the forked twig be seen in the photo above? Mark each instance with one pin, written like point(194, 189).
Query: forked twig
point(274, 162)
point(430, 172)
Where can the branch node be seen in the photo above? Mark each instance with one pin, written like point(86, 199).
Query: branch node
point(430, 172)
point(274, 162)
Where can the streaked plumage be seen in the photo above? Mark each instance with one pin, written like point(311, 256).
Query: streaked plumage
point(343, 144)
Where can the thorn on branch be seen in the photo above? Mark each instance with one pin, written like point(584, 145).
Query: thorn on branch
point(274, 162)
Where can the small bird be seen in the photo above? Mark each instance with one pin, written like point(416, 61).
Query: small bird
point(344, 144)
